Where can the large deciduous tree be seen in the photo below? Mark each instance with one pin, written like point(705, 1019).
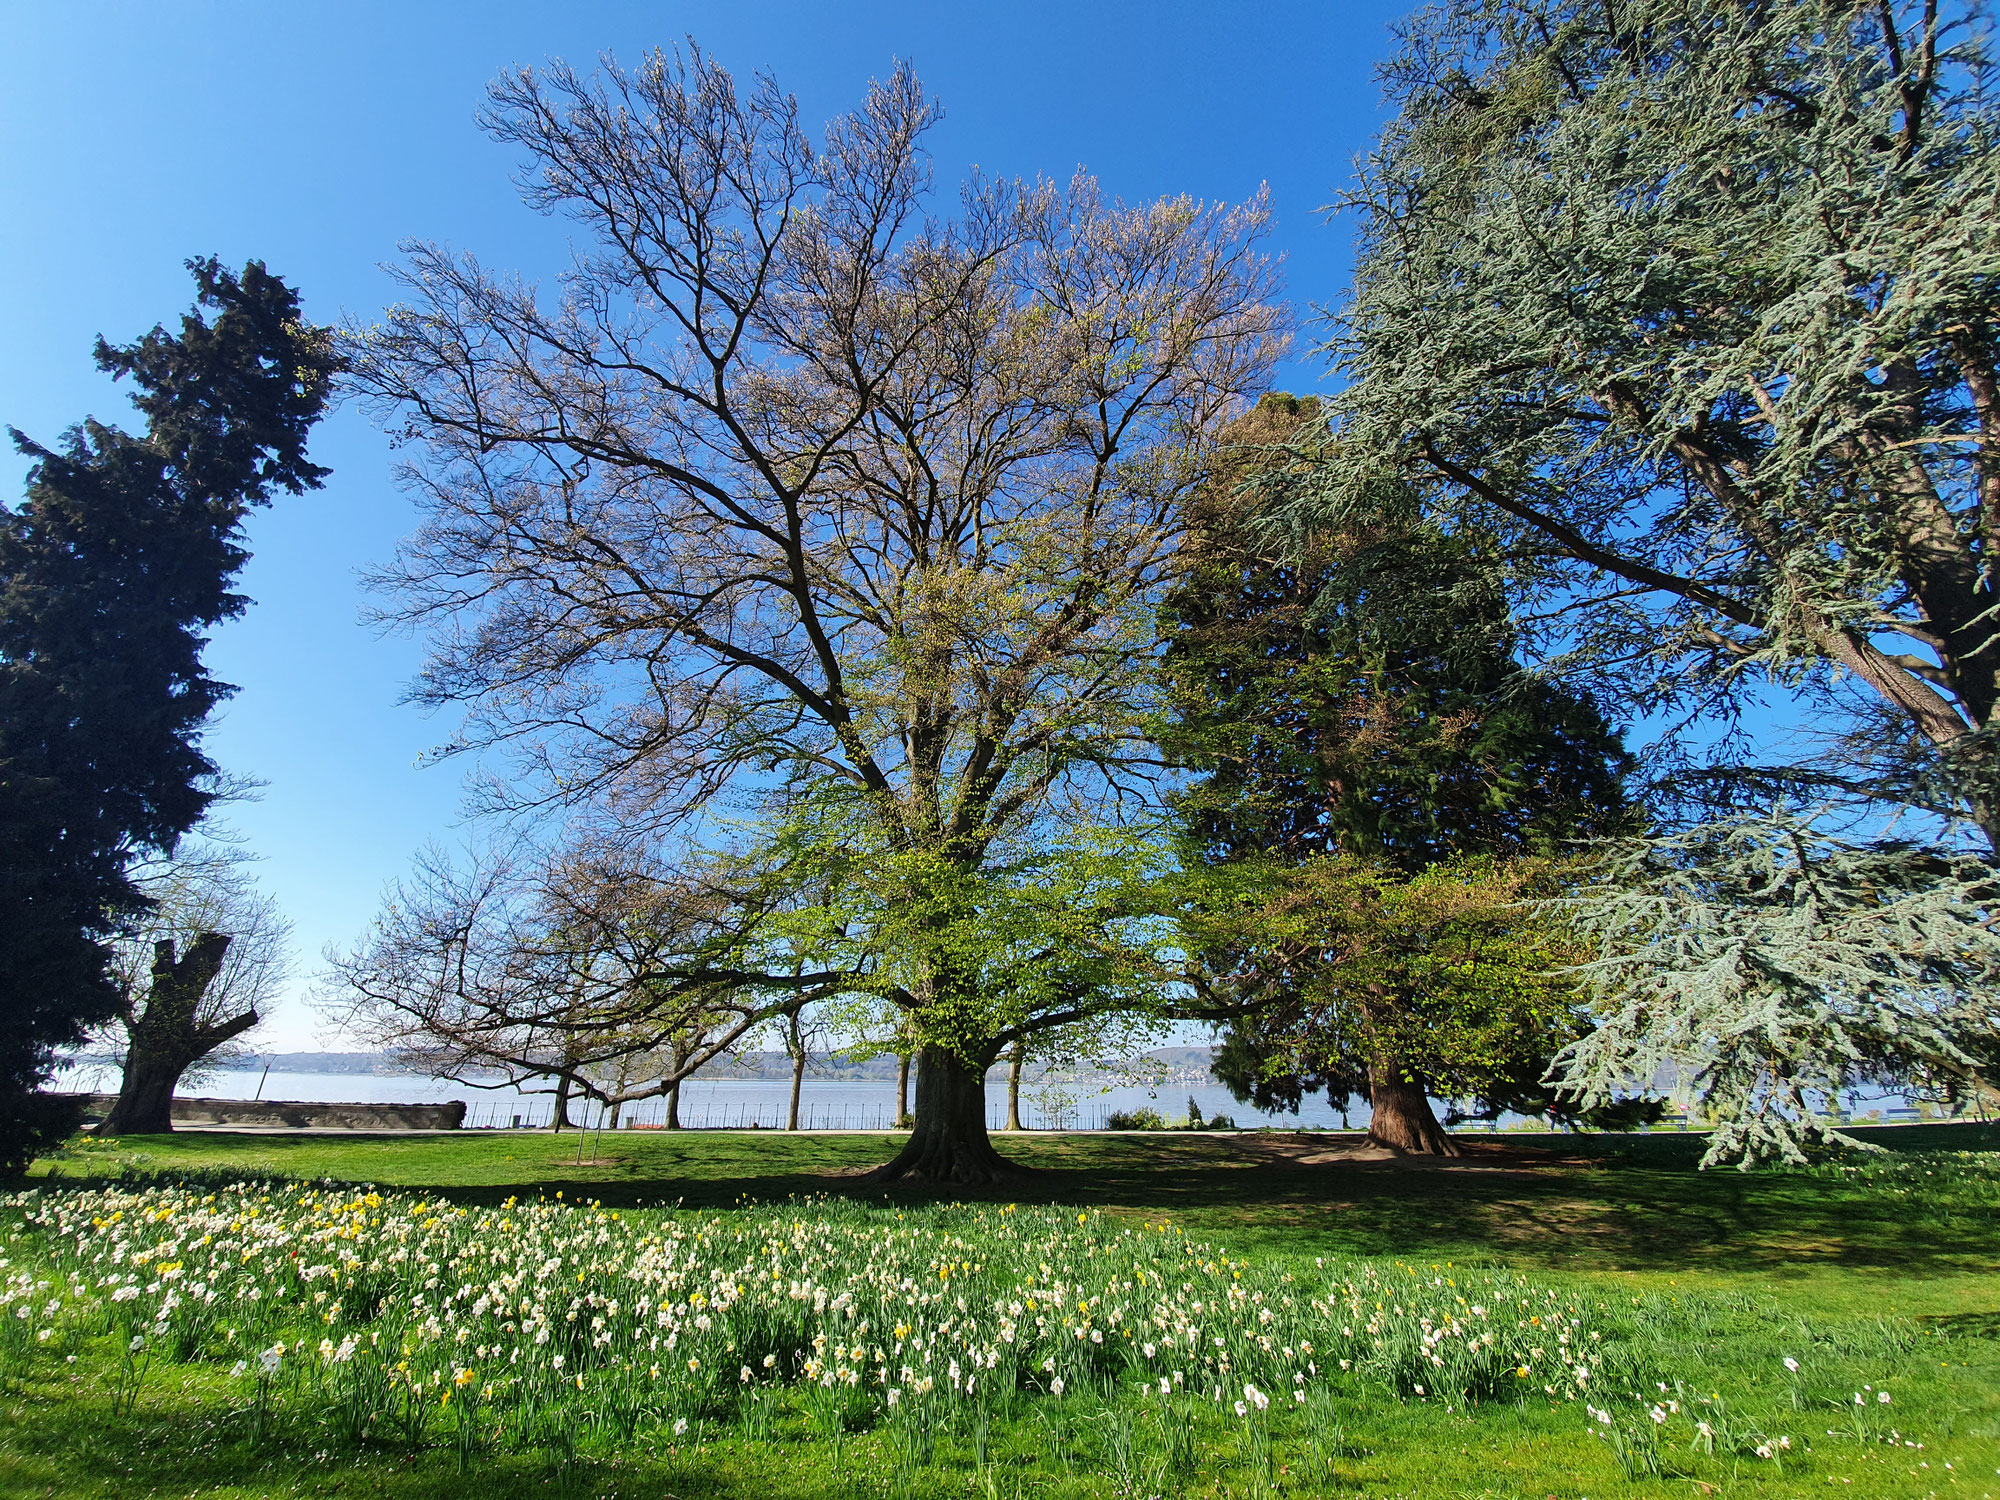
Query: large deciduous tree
point(1369, 749)
point(1691, 303)
point(110, 574)
point(793, 489)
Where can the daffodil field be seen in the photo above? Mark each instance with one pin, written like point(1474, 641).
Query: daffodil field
point(538, 1323)
point(347, 1321)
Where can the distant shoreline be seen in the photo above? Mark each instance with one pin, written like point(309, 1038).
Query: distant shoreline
point(1178, 1065)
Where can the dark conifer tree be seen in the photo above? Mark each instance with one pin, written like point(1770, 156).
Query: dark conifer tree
point(1356, 695)
point(111, 573)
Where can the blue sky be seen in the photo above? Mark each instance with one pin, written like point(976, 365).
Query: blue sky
point(316, 136)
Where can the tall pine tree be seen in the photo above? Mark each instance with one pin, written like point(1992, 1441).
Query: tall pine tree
point(110, 574)
point(1364, 735)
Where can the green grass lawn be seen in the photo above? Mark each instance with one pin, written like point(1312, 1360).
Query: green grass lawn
point(1876, 1272)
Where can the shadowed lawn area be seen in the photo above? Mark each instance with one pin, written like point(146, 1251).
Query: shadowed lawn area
point(1630, 1203)
point(1591, 1204)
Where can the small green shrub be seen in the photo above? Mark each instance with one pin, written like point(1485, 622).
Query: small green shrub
point(1196, 1122)
point(1136, 1119)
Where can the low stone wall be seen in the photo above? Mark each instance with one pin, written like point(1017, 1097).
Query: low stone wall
point(300, 1115)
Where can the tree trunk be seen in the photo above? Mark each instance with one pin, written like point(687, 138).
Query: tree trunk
point(560, 1117)
point(902, 1088)
point(169, 1037)
point(1402, 1118)
point(798, 1079)
point(949, 1143)
point(681, 1053)
point(145, 1097)
point(1014, 1061)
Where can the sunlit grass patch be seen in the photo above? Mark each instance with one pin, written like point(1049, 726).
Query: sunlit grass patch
point(928, 1346)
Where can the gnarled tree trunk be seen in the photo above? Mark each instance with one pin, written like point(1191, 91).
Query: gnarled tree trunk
point(168, 1037)
point(949, 1143)
point(1403, 1119)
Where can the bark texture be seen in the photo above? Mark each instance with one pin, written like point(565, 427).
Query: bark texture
point(1403, 1119)
point(902, 1088)
point(170, 1036)
point(1014, 1061)
point(949, 1143)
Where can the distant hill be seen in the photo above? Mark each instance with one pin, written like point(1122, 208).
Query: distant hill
point(277, 1062)
point(317, 1062)
point(1180, 1065)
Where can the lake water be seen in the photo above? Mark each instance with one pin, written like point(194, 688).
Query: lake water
point(739, 1103)
point(727, 1103)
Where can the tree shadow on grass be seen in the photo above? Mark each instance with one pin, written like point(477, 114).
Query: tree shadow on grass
point(1547, 1204)
point(1633, 1202)
point(58, 1448)
point(1973, 1325)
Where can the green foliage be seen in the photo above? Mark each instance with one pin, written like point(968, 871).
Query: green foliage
point(1147, 1118)
point(1255, 1062)
point(1357, 692)
point(1762, 968)
point(1376, 776)
point(1142, 1118)
point(1067, 930)
point(1688, 305)
point(1447, 971)
point(110, 576)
